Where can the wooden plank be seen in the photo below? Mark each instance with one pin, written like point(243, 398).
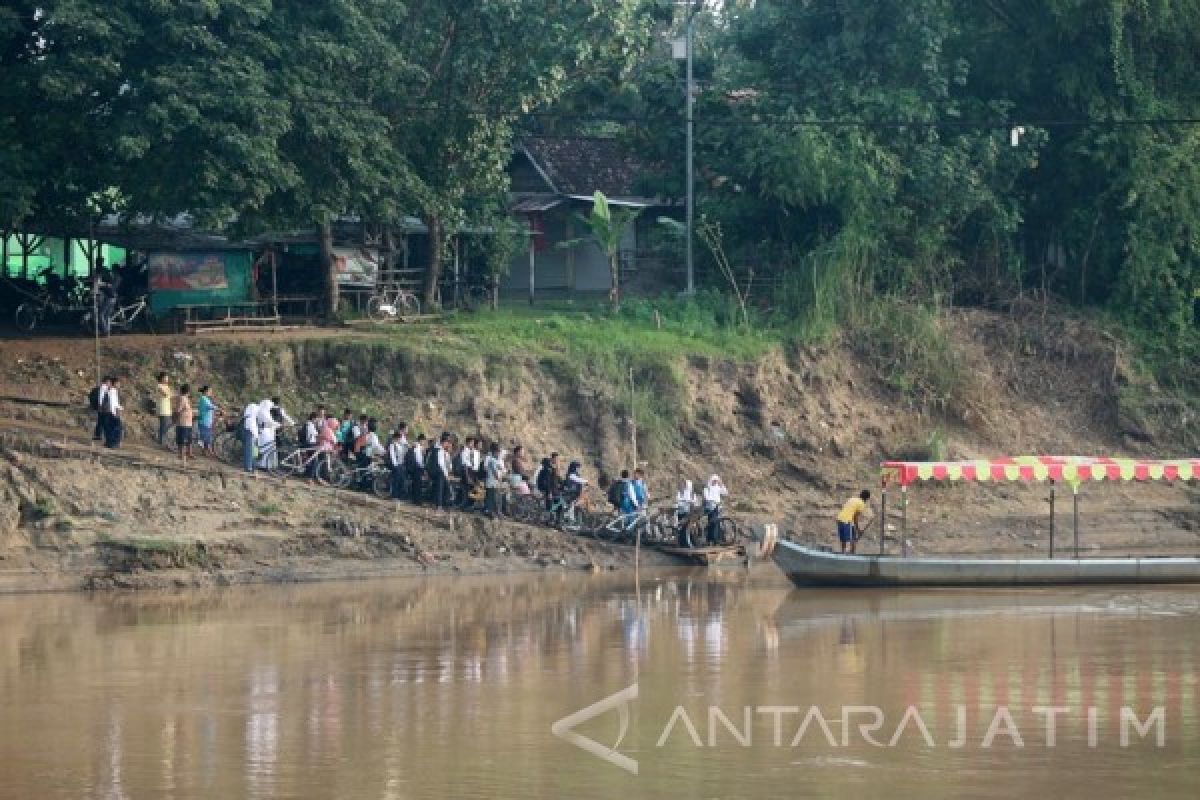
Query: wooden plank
point(708, 556)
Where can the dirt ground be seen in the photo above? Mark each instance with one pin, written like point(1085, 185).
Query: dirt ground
point(793, 435)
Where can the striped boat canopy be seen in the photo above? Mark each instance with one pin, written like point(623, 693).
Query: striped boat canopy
point(1072, 470)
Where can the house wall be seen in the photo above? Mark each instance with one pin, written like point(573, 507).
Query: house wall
point(590, 263)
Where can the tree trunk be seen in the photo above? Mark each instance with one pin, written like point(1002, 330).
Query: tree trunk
point(433, 270)
point(388, 263)
point(614, 294)
point(332, 296)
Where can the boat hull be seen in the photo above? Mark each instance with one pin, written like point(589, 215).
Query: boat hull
point(807, 567)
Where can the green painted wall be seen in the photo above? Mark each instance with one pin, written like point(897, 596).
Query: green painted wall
point(52, 253)
point(239, 278)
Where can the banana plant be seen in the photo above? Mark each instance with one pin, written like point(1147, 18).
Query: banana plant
point(607, 228)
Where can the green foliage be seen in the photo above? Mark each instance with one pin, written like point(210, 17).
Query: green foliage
point(862, 150)
point(908, 346)
point(608, 228)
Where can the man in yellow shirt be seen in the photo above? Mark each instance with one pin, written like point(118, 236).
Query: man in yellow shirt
point(849, 521)
point(162, 405)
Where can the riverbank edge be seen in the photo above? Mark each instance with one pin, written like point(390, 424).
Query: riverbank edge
point(302, 571)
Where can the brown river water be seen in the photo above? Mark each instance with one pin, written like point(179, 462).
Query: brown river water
point(745, 688)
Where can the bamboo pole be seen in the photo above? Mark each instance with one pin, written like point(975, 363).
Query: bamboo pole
point(883, 518)
point(1075, 521)
point(1051, 519)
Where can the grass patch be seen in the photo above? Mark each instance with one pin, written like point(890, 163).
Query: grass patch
point(913, 353)
point(590, 348)
point(269, 509)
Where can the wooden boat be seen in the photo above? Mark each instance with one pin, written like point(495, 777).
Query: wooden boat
point(807, 567)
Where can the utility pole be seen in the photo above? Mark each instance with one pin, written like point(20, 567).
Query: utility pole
point(691, 134)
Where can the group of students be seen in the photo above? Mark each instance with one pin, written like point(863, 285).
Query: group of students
point(420, 469)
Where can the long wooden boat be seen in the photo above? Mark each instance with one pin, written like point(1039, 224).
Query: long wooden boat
point(807, 567)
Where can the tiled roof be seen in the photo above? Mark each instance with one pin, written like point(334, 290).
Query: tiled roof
point(582, 165)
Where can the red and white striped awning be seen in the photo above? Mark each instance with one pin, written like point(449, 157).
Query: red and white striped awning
point(1072, 470)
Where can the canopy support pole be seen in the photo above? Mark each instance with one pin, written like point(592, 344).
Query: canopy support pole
point(882, 517)
point(903, 517)
point(1075, 514)
point(1052, 520)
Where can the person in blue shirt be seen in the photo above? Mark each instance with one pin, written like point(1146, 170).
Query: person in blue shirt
point(206, 412)
point(640, 492)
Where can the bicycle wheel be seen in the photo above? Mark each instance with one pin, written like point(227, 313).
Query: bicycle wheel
point(27, 317)
point(381, 483)
point(325, 468)
point(228, 448)
point(660, 529)
point(340, 475)
point(728, 532)
point(610, 530)
point(525, 508)
point(379, 309)
point(291, 463)
point(407, 305)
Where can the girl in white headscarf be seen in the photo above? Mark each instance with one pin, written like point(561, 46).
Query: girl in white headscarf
point(685, 499)
point(714, 494)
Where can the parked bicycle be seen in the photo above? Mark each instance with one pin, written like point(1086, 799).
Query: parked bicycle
point(374, 477)
point(622, 527)
point(392, 303)
point(693, 531)
point(303, 461)
point(124, 316)
point(34, 311)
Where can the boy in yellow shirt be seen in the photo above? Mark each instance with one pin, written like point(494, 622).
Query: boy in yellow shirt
point(849, 521)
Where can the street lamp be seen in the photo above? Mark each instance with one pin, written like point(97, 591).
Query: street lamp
point(681, 50)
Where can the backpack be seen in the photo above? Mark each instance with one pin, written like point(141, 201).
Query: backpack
point(94, 398)
point(616, 491)
point(543, 479)
point(410, 460)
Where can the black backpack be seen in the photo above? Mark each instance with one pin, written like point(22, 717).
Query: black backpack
point(543, 478)
point(410, 460)
point(616, 490)
point(94, 398)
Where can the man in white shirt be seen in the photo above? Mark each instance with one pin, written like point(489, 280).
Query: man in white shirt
point(397, 449)
point(416, 468)
point(249, 432)
point(114, 425)
point(101, 391)
point(441, 471)
point(466, 471)
point(493, 477)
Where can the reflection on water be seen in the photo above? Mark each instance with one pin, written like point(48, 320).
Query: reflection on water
point(448, 688)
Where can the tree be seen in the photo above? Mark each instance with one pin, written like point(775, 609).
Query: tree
point(481, 67)
point(607, 228)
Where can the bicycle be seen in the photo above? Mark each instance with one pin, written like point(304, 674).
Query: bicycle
point(621, 526)
point(389, 304)
point(34, 311)
point(695, 530)
point(375, 476)
point(300, 460)
point(123, 318)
